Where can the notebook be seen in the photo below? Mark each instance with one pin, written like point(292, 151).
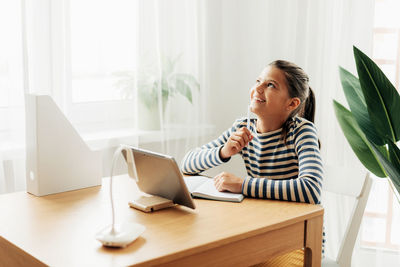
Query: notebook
point(203, 187)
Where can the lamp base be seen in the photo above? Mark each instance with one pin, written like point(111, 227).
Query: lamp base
point(121, 236)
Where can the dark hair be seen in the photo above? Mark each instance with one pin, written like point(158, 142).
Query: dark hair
point(297, 83)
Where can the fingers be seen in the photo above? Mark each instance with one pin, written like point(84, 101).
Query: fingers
point(247, 132)
point(239, 139)
point(236, 145)
point(218, 182)
point(226, 181)
point(219, 186)
point(243, 136)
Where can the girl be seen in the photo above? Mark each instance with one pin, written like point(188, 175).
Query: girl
point(280, 149)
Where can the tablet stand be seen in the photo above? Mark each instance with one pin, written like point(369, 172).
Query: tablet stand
point(151, 203)
point(146, 203)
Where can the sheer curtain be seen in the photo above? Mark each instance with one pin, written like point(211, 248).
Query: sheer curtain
point(171, 48)
point(102, 62)
point(11, 97)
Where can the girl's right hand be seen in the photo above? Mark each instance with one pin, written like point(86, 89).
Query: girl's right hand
point(236, 142)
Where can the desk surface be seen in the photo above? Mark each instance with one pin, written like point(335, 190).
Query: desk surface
point(59, 229)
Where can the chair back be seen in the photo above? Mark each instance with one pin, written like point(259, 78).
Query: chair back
point(350, 182)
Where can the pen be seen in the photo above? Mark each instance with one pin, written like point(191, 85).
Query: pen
point(248, 117)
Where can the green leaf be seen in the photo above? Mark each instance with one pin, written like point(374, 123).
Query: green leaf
point(189, 79)
point(166, 88)
point(392, 169)
point(184, 89)
point(355, 99)
point(357, 140)
point(148, 96)
point(381, 97)
point(394, 154)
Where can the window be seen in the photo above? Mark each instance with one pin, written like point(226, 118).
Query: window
point(382, 215)
point(381, 218)
point(11, 86)
point(11, 72)
point(74, 48)
point(101, 40)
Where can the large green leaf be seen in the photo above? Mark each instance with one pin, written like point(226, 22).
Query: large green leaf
point(381, 97)
point(357, 140)
point(394, 153)
point(392, 169)
point(355, 99)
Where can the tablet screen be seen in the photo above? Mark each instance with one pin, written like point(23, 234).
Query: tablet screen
point(159, 175)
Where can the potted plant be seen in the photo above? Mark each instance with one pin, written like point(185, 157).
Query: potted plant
point(151, 84)
point(372, 125)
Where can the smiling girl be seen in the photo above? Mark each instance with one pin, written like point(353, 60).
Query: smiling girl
point(281, 148)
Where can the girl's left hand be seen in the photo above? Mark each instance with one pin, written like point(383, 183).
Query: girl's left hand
point(228, 182)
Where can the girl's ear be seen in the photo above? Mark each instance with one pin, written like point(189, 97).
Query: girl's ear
point(293, 103)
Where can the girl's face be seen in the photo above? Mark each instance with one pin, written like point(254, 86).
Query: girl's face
point(270, 95)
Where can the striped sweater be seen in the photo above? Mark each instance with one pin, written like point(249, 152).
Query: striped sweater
point(291, 171)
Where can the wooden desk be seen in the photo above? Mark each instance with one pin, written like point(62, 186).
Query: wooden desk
point(59, 230)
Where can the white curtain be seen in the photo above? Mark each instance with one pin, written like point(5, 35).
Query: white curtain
point(100, 61)
point(11, 97)
point(171, 48)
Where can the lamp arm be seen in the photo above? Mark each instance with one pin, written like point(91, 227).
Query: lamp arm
point(131, 170)
point(120, 235)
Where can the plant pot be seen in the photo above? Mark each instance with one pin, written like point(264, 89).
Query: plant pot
point(148, 118)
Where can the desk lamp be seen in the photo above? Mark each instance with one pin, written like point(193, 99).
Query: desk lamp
point(120, 235)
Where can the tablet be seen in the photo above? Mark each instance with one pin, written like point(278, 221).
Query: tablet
point(159, 175)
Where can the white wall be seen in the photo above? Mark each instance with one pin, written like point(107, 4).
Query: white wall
point(244, 36)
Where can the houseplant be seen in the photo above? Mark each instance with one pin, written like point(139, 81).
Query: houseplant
point(152, 83)
point(372, 125)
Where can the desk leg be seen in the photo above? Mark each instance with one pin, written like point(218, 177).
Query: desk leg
point(313, 242)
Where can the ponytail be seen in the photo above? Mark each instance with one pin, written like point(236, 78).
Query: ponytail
point(308, 111)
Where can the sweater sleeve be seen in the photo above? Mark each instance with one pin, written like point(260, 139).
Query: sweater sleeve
point(307, 186)
point(207, 156)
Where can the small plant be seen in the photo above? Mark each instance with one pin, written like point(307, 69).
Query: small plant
point(372, 125)
point(151, 83)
